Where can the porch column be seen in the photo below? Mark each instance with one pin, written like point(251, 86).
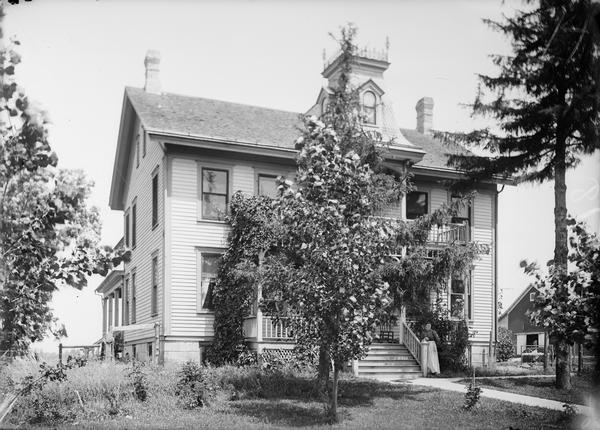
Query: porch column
point(259, 315)
point(104, 319)
point(110, 310)
point(117, 294)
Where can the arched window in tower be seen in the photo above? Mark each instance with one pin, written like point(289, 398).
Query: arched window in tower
point(370, 107)
point(324, 105)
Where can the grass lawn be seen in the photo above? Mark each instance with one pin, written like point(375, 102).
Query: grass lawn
point(541, 387)
point(363, 405)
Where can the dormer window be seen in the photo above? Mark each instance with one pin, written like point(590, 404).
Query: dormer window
point(369, 107)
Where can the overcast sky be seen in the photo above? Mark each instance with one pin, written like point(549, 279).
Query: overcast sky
point(79, 55)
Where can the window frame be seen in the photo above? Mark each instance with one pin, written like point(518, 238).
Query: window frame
point(469, 219)
point(200, 194)
point(127, 227)
point(154, 281)
point(154, 198)
point(467, 297)
point(265, 175)
point(366, 108)
point(200, 252)
point(133, 296)
point(143, 143)
point(427, 203)
point(134, 223)
point(532, 296)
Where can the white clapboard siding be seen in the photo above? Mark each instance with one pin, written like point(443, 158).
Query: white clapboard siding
point(188, 234)
point(149, 241)
point(483, 275)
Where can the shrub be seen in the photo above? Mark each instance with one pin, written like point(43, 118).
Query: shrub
point(194, 386)
point(139, 381)
point(472, 396)
point(49, 405)
point(506, 344)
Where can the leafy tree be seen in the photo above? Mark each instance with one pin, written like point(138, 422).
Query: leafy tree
point(568, 304)
point(48, 235)
point(545, 99)
point(506, 344)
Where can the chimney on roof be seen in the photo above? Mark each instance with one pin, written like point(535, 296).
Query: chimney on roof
point(424, 110)
point(152, 64)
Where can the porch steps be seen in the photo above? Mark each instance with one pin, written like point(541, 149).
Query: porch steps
point(389, 361)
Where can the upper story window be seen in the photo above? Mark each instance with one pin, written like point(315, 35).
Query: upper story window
point(133, 298)
point(463, 216)
point(267, 185)
point(215, 193)
point(532, 297)
point(155, 200)
point(126, 302)
point(369, 104)
point(143, 143)
point(417, 204)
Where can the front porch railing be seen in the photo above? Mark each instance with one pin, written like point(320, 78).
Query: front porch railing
point(271, 328)
point(412, 342)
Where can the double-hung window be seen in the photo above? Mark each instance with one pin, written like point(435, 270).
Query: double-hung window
point(215, 193)
point(154, 296)
point(463, 217)
point(134, 224)
point(460, 297)
point(417, 204)
point(126, 302)
point(370, 107)
point(207, 269)
point(133, 298)
point(155, 200)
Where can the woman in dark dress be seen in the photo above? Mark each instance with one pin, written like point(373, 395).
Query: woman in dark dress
point(430, 335)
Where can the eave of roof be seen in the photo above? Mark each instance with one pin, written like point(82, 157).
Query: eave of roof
point(517, 300)
point(110, 281)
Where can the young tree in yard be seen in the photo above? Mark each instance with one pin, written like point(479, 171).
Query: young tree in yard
point(546, 101)
point(48, 235)
point(568, 304)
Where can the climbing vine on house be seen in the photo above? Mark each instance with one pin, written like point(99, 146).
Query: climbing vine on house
point(254, 230)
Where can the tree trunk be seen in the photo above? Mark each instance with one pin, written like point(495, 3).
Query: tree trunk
point(563, 366)
point(324, 364)
point(333, 400)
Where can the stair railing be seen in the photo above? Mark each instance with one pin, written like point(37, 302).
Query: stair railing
point(411, 341)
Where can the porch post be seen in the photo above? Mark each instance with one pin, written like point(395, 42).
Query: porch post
point(402, 322)
point(424, 358)
point(104, 319)
point(259, 315)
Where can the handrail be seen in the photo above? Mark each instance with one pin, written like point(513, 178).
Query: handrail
point(411, 341)
point(273, 328)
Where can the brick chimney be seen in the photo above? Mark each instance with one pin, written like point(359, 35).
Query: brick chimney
point(152, 64)
point(424, 110)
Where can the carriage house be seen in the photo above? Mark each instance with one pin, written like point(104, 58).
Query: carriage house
point(179, 159)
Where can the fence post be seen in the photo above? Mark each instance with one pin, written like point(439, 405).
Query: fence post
point(545, 352)
point(424, 358)
point(60, 348)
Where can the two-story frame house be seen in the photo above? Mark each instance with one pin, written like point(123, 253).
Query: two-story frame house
point(178, 161)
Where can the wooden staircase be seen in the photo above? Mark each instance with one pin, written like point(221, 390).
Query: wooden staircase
point(388, 362)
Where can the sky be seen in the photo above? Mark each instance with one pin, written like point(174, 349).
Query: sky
point(79, 55)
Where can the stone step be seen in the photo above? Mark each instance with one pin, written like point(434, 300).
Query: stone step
point(396, 377)
point(389, 370)
point(390, 357)
point(373, 363)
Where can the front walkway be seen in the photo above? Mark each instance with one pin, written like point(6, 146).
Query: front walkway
point(452, 384)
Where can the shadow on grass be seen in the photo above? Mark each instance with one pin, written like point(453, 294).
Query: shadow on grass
point(307, 407)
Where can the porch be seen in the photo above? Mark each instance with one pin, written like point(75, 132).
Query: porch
point(397, 352)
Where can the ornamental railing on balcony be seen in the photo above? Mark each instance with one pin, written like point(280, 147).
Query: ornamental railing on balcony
point(277, 329)
point(448, 233)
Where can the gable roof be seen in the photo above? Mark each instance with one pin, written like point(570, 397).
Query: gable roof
point(523, 294)
point(226, 122)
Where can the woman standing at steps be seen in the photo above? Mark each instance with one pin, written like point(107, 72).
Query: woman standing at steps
point(428, 334)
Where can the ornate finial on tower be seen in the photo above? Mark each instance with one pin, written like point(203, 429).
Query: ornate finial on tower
point(387, 43)
point(324, 56)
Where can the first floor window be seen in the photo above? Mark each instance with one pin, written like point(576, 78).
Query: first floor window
point(417, 204)
point(460, 298)
point(267, 185)
point(134, 224)
point(154, 299)
point(209, 266)
point(215, 193)
point(133, 298)
point(150, 352)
